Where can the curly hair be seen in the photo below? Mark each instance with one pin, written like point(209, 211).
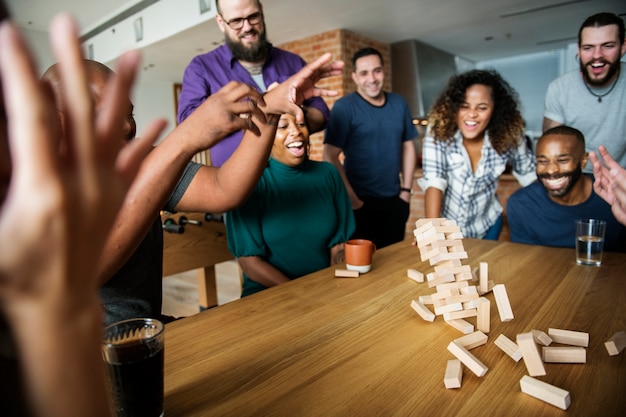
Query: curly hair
point(506, 125)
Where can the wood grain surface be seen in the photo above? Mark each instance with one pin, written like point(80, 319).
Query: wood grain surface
point(326, 346)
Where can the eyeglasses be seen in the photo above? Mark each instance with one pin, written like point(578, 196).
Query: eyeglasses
point(237, 23)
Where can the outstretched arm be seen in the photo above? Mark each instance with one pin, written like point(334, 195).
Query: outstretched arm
point(610, 182)
point(47, 273)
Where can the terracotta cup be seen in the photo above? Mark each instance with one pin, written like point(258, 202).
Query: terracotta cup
point(359, 255)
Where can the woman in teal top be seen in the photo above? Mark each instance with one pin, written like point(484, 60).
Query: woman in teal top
point(296, 220)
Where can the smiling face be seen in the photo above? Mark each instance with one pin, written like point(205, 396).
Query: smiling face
point(369, 76)
point(600, 51)
point(560, 160)
point(291, 143)
point(249, 43)
point(475, 112)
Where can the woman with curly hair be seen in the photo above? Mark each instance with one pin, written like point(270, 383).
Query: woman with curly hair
point(475, 129)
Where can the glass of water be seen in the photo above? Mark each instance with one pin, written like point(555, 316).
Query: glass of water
point(589, 241)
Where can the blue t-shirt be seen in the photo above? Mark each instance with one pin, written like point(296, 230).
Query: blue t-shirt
point(535, 219)
point(371, 138)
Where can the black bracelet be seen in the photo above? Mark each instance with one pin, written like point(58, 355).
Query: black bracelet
point(408, 190)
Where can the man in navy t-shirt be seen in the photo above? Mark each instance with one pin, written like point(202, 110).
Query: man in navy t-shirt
point(544, 213)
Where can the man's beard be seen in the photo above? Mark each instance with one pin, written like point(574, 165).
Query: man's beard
point(254, 53)
point(574, 176)
point(614, 67)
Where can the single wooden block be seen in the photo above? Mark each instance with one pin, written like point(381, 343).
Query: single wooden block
point(454, 374)
point(483, 277)
point(441, 295)
point(457, 235)
point(461, 298)
point(425, 299)
point(468, 359)
point(461, 314)
point(447, 229)
point(423, 311)
point(545, 392)
point(616, 343)
point(471, 304)
point(569, 337)
point(564, 354)
point(472, 340)
point(461, 325)
point(509, 347)
point(502, 302)
point(483, 317)
point(446, 243)
point(436, 280)
point(446, 257)
point(454, 284)
point(428, 238)
point(448, 308)
point(530, 353)
point(428, 255)
point(345, 273)
point(415, 275)
point(541, 338)
point(490, 286)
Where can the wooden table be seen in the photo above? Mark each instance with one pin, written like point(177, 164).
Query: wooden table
point(325, 346)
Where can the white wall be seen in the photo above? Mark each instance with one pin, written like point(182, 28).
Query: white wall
point(40, 46)
point(154, 100)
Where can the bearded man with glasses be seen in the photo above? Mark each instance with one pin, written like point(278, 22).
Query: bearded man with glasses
point(248, 57)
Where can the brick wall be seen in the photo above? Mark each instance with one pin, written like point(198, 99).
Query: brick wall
point(343, 44)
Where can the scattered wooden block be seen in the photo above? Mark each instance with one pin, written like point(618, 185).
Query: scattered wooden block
point(569, 337)
point(461, 325)
point(468, 359)
point(461, 314)
point(509, 347)
point(415, 275)
point(616, 343)
point(530, 353)
point(541, 338)
point(564, 354)
point(425, 299)
point(344, 273)
point(422, 310)
point(545, 392)
point(502, 302)
point(490, 286)
point(448, 308)
point(472, 340)
point(454, 374)
point(483, 277)
point(483, 317)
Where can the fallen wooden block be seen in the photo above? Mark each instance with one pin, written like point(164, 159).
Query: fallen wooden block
point(564, 354)
point(448, 308)
point(541, 338)
point(425, 299)
point(468, 359)
point(461, 325)
point(461, 314)
point(472, 340)
point(569, 337)
point(415, 275)
point(423, 311)
point(502, 302)
point(483, 317)
point(616, 343)
point(530, 353)
point(454, 374)
point(344, 273)
point(509, 347)
point(545, 392)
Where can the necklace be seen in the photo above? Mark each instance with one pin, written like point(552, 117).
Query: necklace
point(603, 94)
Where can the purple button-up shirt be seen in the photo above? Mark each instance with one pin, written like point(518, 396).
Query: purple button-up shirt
point(209, 72)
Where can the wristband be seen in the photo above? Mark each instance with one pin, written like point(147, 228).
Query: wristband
point(408, 190)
